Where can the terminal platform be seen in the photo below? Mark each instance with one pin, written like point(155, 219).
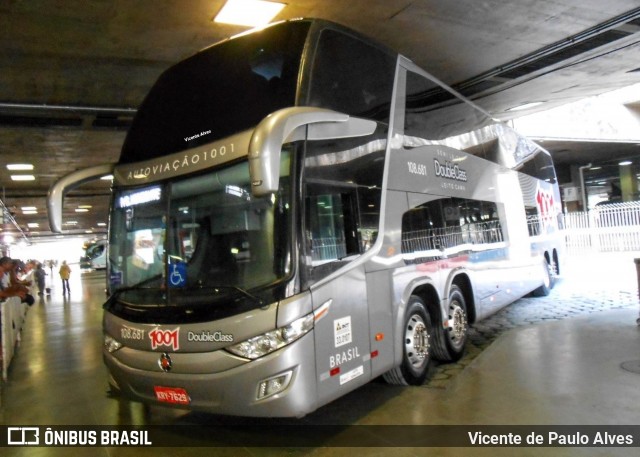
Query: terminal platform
point(571, 358)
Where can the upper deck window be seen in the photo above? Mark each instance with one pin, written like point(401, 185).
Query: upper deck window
point(222, 90)
point(352, 77)
point(434, 116)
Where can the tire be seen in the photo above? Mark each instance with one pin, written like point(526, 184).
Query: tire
point(416, 346)
point(450, 341)
point(548, 281)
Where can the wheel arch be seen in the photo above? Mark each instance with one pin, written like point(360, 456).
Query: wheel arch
point(463, 281)
point(429, 295)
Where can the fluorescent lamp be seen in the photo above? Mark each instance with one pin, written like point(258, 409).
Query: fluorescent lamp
point(29, 208)
point(33, 225)
point(625, 162)
point(525, 106)
point(107, 178)
point(23, 178)
point(250, 13)
point(81, 210)
point(19, 166)
point(30, 211)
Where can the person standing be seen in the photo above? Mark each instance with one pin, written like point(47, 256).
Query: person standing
point(6, 288)
point(65, 273)
point(40, 274)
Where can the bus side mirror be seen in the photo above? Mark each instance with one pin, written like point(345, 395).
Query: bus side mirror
point(59, 188)
point(291, 124)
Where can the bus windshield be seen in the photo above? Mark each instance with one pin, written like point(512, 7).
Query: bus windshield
point(197, 234)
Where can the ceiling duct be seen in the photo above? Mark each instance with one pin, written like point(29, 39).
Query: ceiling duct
point(564, 53)
point(608, 32)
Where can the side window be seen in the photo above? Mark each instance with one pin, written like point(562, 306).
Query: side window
point(352, 77)
point(533, 220)
point(539, 166)
point(342, 193)
point(333, 224)
point(450, 226)
point(433, 115)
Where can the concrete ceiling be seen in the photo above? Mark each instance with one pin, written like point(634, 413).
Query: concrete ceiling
point(73, 72)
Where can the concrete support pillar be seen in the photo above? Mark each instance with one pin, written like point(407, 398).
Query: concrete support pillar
point(629, 182)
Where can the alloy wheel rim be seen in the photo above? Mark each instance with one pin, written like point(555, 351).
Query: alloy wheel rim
point(416, 341)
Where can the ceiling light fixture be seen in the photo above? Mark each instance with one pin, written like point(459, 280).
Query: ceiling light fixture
point(249, 13)
point(81, 210)
point(625, 163)
point(19, 166)
point(525, 106)
point(23, 178)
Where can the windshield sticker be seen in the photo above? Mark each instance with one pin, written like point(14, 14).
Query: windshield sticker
point(178, 275)
point(342, 331)
point(168, 338)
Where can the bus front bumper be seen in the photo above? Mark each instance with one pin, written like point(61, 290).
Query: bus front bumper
point(246, 389)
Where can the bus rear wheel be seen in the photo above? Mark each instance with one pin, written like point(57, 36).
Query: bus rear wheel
point(416, 346)
point(451, 338)
point(548, 280)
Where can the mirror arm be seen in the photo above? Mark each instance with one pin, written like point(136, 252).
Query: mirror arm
point(59, 188)
point(269, 136)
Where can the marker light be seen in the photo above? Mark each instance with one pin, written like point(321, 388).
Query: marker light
point(266, 343)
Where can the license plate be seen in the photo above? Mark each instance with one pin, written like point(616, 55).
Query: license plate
point(175, 395)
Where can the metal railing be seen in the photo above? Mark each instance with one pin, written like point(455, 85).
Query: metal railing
point(608, 228)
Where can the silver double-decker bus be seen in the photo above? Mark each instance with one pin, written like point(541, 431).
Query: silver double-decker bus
point(297, 211)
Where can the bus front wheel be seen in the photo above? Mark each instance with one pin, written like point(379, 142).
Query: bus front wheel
point(416, 352)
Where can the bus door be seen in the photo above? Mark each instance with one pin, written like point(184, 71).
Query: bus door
point(334, 240)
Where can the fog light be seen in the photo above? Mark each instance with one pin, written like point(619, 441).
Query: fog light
point(274, 385)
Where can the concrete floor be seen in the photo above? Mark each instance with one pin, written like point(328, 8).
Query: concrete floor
point(549, 361)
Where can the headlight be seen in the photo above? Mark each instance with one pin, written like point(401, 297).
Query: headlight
point(111, 344)
point(261, 345)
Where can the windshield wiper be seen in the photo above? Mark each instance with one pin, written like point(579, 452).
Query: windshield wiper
point(113, 297)
point(236, 288)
